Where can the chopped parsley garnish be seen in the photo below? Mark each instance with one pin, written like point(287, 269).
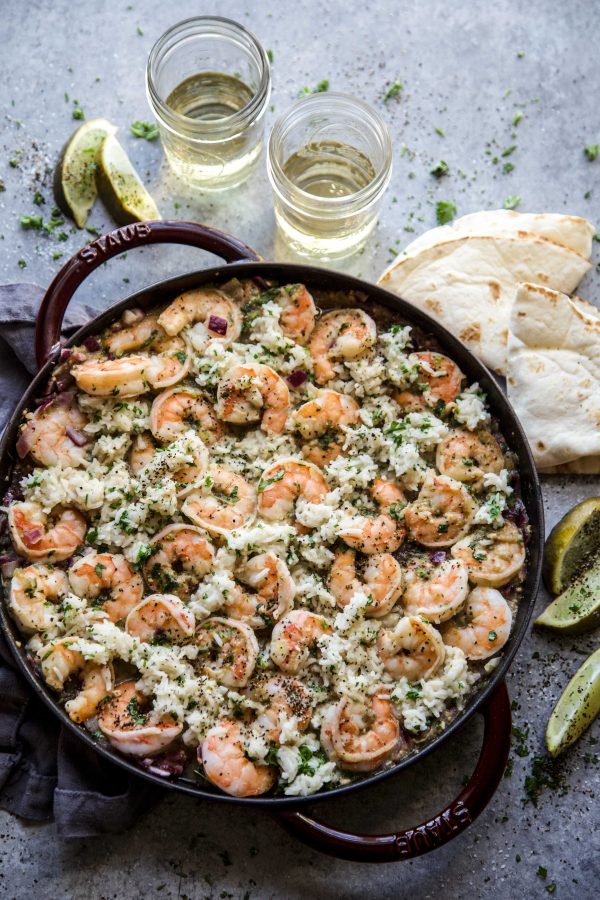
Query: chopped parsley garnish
point(509, 150)
point(270, 55)
point(591, 151)
point(517, 118)
point(441, 132)
point(507, 168)
point(445, 210)
point(146, 130)
point(137, 716)
point(394, 91)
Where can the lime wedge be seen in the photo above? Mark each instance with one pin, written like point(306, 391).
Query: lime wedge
point(577, 609)
point(120, 186)
point(75, 174)
point(578, 706)
point(571, 543)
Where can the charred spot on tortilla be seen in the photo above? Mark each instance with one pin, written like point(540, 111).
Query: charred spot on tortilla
point(471, 333)
point(494, 287)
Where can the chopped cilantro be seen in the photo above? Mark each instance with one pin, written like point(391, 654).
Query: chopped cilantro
point(146, 130)
point(394, 91)
point(512, 202)
point(440, 169)
point(445, 210)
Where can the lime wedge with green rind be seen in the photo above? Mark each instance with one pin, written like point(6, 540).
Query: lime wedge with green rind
point(577, 609)
point(578, 706)
point(572, 543)
point(75, 175)
point(120, 186)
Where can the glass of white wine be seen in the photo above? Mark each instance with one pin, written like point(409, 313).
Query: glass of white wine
point(329, 163)
point(208, 82)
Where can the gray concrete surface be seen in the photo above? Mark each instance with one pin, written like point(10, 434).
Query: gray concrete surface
point(467, 68)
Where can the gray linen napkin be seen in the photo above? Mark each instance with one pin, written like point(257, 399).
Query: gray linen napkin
point(45, 772)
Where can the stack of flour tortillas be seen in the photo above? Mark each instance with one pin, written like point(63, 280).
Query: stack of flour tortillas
point(498, 280)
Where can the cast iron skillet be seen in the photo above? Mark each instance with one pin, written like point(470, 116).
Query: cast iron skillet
point(491, 701)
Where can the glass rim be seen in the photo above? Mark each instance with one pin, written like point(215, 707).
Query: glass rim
point(297, 197)
point(194, 128)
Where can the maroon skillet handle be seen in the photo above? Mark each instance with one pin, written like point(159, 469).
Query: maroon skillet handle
point(429, 835)
point(76, 270)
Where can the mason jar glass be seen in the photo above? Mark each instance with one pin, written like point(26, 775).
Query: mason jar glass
point(329, 163)
point(208, 82)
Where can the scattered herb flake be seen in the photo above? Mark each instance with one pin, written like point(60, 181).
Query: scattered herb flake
point(440, 169)
point(445, 210)
point(591, 151)
point(21, 263)
point(512, 202)
point(270, 55)
point(517, 118)
point(441, 132)
point(394, 91)
point(507, 167)
point(509, 150)
point(146, 130)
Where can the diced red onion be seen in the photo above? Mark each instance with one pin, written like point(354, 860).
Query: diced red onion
point(33, 535)
point(218, 325)
point(91, 343)
point(25, 441)
point(8, 564)
point(64, 381)
point(295, 379)
point(78, 437)
point(438, 556)
point(166, 764)
point(65, 353)
point(131, 316)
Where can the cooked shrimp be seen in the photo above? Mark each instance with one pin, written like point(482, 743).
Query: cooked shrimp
point(215, 310)
point(97, 683)
point(124, 377)
point(224, 501)
point(249, 393)
point(159, 617)
point(228, 651)
point(181, 555)
point(319, 421)
point(468, 455)
point(439, 381)
point(122, 717)
point(381, 581)
point(489, 621)
point(226, 765)
point(442, 513)
point(340, 334)
point(283, 483)
point(294, 637)
point(360, 738)
point(436, 591)
point(492, 557)
point(378, 534)
point(170, 357)
point(286, 698)
point(109, 581)
point(274, 593)
point(412, 649)
point(44, 538)
point(35, 593)
point(142, 450)
point(59, 661)
point(299, 311)
point(54, 434)
point(176, 411)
